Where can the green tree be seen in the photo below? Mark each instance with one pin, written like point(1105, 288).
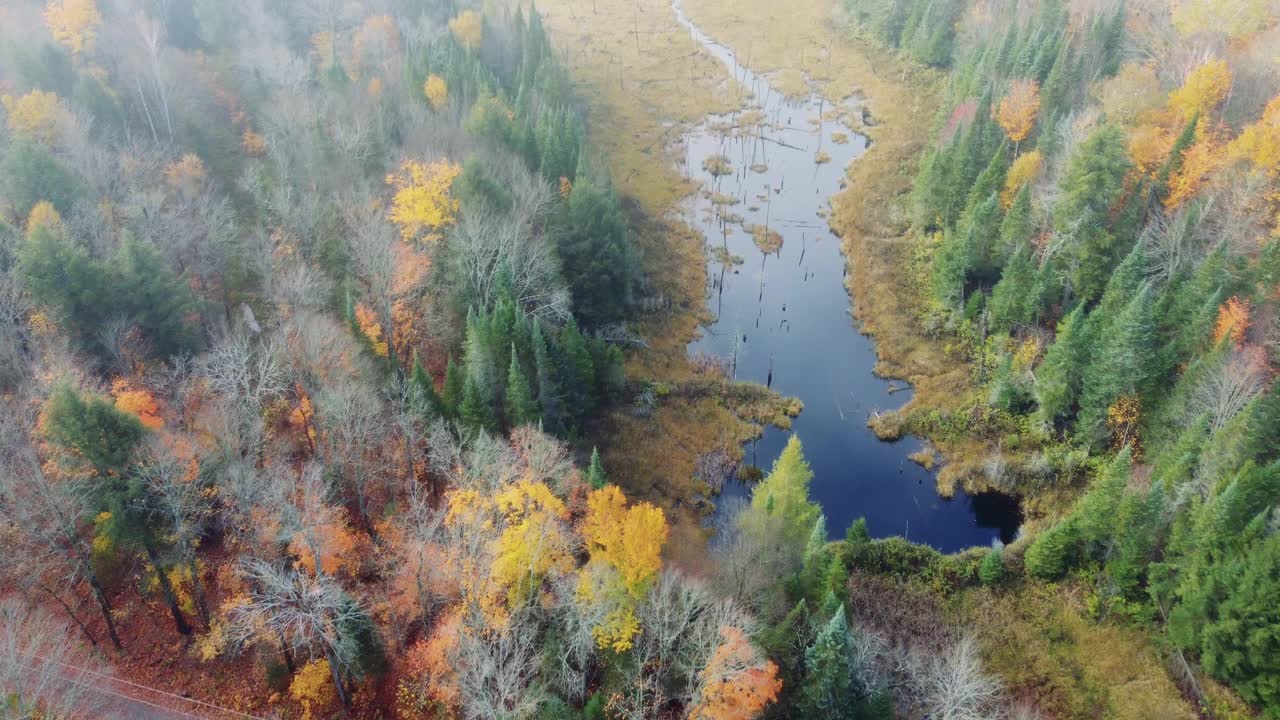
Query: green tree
point(154, 297)
point(1054, 551)
point(521, 408)
point(1061, 373)
point(784, 493)
point(453, 388)
point(827, 689)
point(1093, 182)
point(1014, 299)
point(106, 440)
point(1098, 511)
point(595, 472)
point(30, 173)
point(1242, 645)
point(476, 410)
point(1141, 517)
point(1122, 365)
point(991, 569)
point(1016, 228)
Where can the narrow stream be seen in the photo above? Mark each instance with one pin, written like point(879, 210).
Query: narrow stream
point(783, 314)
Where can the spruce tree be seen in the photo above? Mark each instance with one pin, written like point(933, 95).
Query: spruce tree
point(1094, 180)
point(520, 406)
point(1141, 517)
point(1241, 644)
point(1122, 365)
point(548, 388)
point(1014, 299)
point(476, 411)
point(1016, 228)
point(983, 236)
point(595, 472)
point(579, 370)
point(815, 562)
point(452, 391)
point(991, 569)
point(827, 689)
point(950, 268)
point(1097, 512)
point(1061, 373)
point(425, 389)
point(1054, 552)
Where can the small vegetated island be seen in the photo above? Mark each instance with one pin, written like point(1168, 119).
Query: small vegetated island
point(343, 358)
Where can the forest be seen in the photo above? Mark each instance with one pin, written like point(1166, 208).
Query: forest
point(311, 314)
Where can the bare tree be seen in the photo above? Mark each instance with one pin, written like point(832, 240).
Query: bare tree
point(45, 672)
point(953, 686)
point(350, 425)
point(181, 505)
point(310, 612)
point(1229, 386)
point(499, 670)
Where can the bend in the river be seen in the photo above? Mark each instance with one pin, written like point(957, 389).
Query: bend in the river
point(777, 289)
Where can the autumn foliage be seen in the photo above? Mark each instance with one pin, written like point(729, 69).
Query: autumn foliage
point(737, 683)
point(423, 203)
point(1233, 321)
point(1018, 110)
point(73, 23)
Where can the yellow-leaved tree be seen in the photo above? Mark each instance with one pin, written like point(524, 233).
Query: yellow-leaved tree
point(437, 92)
point(423, 203)
point(1018, 110)
point(626, 554)
point(1259, 143)
point(1203, 90)
point(35, 115)
point(44, 215)
point(1023, 171)
point(73, 23)
point(468, 28)
point(1232, 18)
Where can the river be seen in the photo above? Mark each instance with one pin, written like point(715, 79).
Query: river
point(783, 314)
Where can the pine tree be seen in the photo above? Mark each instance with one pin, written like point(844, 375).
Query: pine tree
point(548, 389)
point(827, 690)
point(595, 472)
point(579, 370)
point(990, 180)
point(425, 388)
point(1122, 365)
point(520, 406)
point(1061, 373)
point(815, 562)
point(983, 236)
point(1242, 644)
point(1263, 429)
point(950, 268)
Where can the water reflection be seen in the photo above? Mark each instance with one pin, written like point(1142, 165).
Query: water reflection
point(776, 285)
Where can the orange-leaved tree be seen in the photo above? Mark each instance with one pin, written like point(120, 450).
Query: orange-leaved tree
point(737, 683)
point(1018, 110)
point(1203, 90)
point(1233, 321)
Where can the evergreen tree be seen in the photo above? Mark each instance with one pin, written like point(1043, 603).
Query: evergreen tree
point(476, 410)
point(548, 389)
point(990, 180)
point(30, 173)
point(454, 385)
point(1061, 373)
point(1014, 299)
point(595, 472)
point(1141, 517)
point(520, 406)
point(595, 253)
point(1098, 511)
point(1160, 188)
point(827, 691)
point(578, 370)
point(155, 298)
point(950, 267)
point(1054, 551)
point(982, 237)
point(106, 439)
point(1016, 228)
point(62, 275)
point(1242, 644)
point(815, 562)
point(991, 569)
point(1122, 365)
point(1094, 181)
point(1263, 429)
point(425, 389)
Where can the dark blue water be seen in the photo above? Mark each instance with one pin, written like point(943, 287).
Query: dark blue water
point(783, 315)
